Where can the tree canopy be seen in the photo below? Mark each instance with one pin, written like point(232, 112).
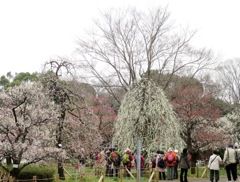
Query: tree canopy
point(146, 114)
point(27, 123)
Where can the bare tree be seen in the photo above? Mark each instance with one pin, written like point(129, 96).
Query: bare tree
point(229, 77)
point(127, 44)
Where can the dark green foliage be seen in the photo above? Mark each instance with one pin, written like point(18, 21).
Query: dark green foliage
point(10, 81)
point(41, 172)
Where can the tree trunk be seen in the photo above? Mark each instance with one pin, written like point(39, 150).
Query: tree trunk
point(15, 170)
point(194, 159)
point(61, 170)
point(8, 160)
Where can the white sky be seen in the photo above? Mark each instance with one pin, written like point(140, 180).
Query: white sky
point(34, 31)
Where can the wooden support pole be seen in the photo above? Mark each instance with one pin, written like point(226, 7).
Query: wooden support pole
point(130, 173)
point(34, 178)
point(101, 179)
point(151, 177)
point(57, 178)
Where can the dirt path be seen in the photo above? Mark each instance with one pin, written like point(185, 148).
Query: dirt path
point(222, 179)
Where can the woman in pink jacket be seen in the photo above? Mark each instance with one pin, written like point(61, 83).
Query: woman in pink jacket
point(161, 166)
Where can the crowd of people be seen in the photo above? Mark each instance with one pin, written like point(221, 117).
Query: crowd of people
point(168, 164)
point(112, 159)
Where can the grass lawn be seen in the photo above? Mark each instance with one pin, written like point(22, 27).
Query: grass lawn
point(90, 175)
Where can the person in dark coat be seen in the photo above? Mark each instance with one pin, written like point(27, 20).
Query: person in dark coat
point(184, 165)
point(109, 170)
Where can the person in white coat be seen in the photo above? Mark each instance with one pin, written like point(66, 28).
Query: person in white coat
point(213, 165)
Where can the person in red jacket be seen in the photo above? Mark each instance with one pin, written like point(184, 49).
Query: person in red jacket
point(170, 159)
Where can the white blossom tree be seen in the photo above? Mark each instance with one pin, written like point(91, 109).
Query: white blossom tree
point(27, 125)
point(146, 114)
point(234, 118)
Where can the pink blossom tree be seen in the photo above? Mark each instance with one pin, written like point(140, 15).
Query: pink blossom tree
point(198, 115)
point(27, 126)
point(106, 118)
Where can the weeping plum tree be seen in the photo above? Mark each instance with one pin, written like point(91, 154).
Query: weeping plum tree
point(27, 126)
point(146, 114)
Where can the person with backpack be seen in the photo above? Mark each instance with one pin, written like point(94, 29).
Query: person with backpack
point(170, 159)
point(115, 157)
point(161, 165)
point(184, 165)
point(127, 162)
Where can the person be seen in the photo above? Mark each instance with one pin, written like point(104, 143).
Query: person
point(109, 170)
point(153, 162)
point(170, 159)
point(82, 161)
point(184, 165)
point(213, 165)
point(229, 160)
point(175, 172)
point(115, 157)
point(237, 155)
point(127, 162)
point(161, 169)
point(99, 162)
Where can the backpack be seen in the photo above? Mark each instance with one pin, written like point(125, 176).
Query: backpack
point(170, 158)
point(115, 158)
point(125, 159)
point(161, 163)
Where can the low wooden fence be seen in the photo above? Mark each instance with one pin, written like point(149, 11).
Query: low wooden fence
point(78, 175)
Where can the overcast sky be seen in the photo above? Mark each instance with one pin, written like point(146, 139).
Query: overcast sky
point(34, 31)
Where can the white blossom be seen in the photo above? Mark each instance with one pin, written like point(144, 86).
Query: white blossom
point(146, 114)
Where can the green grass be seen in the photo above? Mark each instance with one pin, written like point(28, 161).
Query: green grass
point(91, 177)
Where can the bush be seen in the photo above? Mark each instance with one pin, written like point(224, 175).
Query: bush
point(41, 172)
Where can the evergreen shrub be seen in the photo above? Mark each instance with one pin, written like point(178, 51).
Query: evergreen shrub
point(41, 172)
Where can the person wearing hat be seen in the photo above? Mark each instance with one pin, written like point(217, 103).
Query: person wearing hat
point(229, 160)
point(170, 159)
point(175, 173)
